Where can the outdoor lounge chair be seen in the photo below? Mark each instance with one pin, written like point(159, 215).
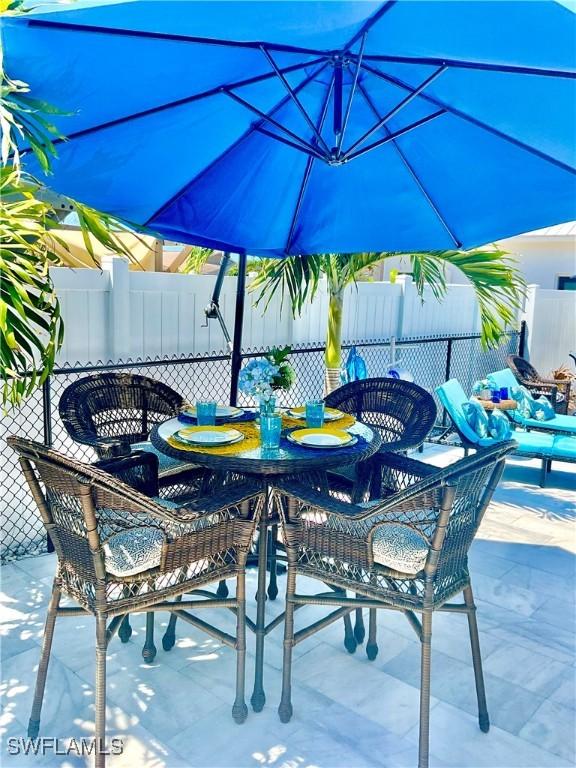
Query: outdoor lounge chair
point(558, 392)
point(528, 444)
point(560, 424)
point(408, 552)
point(121, 552)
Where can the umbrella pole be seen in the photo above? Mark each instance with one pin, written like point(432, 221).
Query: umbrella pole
point(238, 327)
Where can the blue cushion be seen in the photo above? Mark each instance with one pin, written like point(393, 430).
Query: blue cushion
point(477, 417)
point(453, 397)
point(503, 378)
point(559, 423)
point(498, 426)
point(525, 401)
point(534, 442)
point(564, 447)
point(542, 409)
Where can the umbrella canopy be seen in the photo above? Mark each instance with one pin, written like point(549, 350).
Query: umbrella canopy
point(279, 128)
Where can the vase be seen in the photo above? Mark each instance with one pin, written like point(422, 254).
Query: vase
point(267, 407)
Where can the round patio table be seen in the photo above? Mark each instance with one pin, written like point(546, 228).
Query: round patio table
point(288, 459)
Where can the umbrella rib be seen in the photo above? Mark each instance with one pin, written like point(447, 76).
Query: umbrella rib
point(369, 23)
point(294, 98)
point(340, 137)
point(310, 151)
point(396, 134)
point(308, 170)
point(394, 111)
point(264, 116)
point(229, 149)
point(474, 120)
point(511, 69)
point(412, 172)
point(172, 37)
point(180, 102)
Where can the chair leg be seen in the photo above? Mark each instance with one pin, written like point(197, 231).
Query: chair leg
point(149, 650)
point(100, 692)
point(272, 544)
point(125, 630)
point(349, 640)
point(423, 745)
point(285, 707)
point(543, 472)
point(240, 709)
point(34, 722)
point(372, 645)
point(222, 591)
point(483, 718)
point(359, 630)
point(258, 698)
point(170, 635)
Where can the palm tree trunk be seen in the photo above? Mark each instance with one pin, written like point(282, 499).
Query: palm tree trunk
point(333, 354)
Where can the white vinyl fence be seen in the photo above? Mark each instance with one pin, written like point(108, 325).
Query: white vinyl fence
point(117, 314)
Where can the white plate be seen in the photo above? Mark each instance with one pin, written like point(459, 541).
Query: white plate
point(323, 440)
point(209, 436)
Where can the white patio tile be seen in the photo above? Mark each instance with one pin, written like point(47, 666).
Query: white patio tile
point(553, 727)
point(456, 739)
point(524, 667)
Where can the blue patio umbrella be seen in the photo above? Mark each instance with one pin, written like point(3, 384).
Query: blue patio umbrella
point(278, 128)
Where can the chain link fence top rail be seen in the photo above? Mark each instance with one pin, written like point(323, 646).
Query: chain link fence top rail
point(431, 361)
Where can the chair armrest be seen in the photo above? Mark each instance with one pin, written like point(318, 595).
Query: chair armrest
point(139, 470)
point(393, 473)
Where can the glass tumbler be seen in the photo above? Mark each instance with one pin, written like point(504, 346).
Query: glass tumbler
point(270, 429)
point(315, 413)
point(205, 413)
point(503, 393)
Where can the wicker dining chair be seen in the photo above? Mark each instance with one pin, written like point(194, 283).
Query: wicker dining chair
point(407, 552)
point(121, 552)
point(401, 411)
point(557, 391)
point(404, 414)
point(113, 413)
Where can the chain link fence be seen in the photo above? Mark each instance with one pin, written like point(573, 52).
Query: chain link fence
point(431, 361)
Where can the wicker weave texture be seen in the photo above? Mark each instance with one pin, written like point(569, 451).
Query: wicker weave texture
point(403, 412)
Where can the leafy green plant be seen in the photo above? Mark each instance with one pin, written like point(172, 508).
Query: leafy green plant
point(31, 328)
point(498, 286)
point(286, 375)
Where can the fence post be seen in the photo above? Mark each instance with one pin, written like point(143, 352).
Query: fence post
point(447, 375)
point(117, 268)
point(528, 323)
point(47, 433)
point(522, 339)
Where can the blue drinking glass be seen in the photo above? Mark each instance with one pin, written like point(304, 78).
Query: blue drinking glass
point(270, 428)
point(205, 413)
point(314, 413)
point(503, 393)
point(495, 396)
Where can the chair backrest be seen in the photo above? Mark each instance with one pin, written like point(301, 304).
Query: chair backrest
point(122, 405)
point(403, 412)
point(80, 505)
point(522, 369)
point(453, 397)
point(503, 378)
